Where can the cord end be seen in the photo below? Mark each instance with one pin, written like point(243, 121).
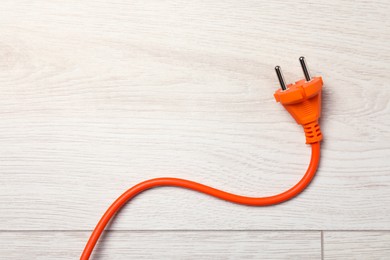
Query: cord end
point(302, 100)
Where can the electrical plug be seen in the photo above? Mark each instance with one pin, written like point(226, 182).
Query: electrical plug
point(302, 100)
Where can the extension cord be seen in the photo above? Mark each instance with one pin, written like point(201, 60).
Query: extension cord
point(301, 99)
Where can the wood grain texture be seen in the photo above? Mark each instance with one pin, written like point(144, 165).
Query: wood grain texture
point(164, 245)
point(356, 245)
point(99, 95)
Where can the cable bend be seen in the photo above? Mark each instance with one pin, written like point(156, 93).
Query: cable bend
point(250, 201)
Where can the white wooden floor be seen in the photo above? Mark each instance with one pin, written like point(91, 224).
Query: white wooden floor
point(96, 96)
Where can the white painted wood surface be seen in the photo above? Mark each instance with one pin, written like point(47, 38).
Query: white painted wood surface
point(356, 245)
point(99, 95)
point(165, 245)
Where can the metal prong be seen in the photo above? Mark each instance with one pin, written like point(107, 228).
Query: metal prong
point(304, 68)
point(280, 78)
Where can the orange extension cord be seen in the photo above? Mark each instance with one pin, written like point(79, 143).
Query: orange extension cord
point(301, 99)
point(250, 201)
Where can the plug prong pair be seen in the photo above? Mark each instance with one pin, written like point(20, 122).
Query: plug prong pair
point(281, 78)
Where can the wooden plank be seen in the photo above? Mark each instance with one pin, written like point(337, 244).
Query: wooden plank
point(164, 245)
point(99, 95)
point(356, 245)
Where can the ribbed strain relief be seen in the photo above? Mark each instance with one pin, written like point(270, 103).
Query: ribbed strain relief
point(312, 132)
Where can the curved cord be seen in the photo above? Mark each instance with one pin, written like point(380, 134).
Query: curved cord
point(250, 201)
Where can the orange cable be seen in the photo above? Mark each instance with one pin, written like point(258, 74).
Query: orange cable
point(250, 201)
